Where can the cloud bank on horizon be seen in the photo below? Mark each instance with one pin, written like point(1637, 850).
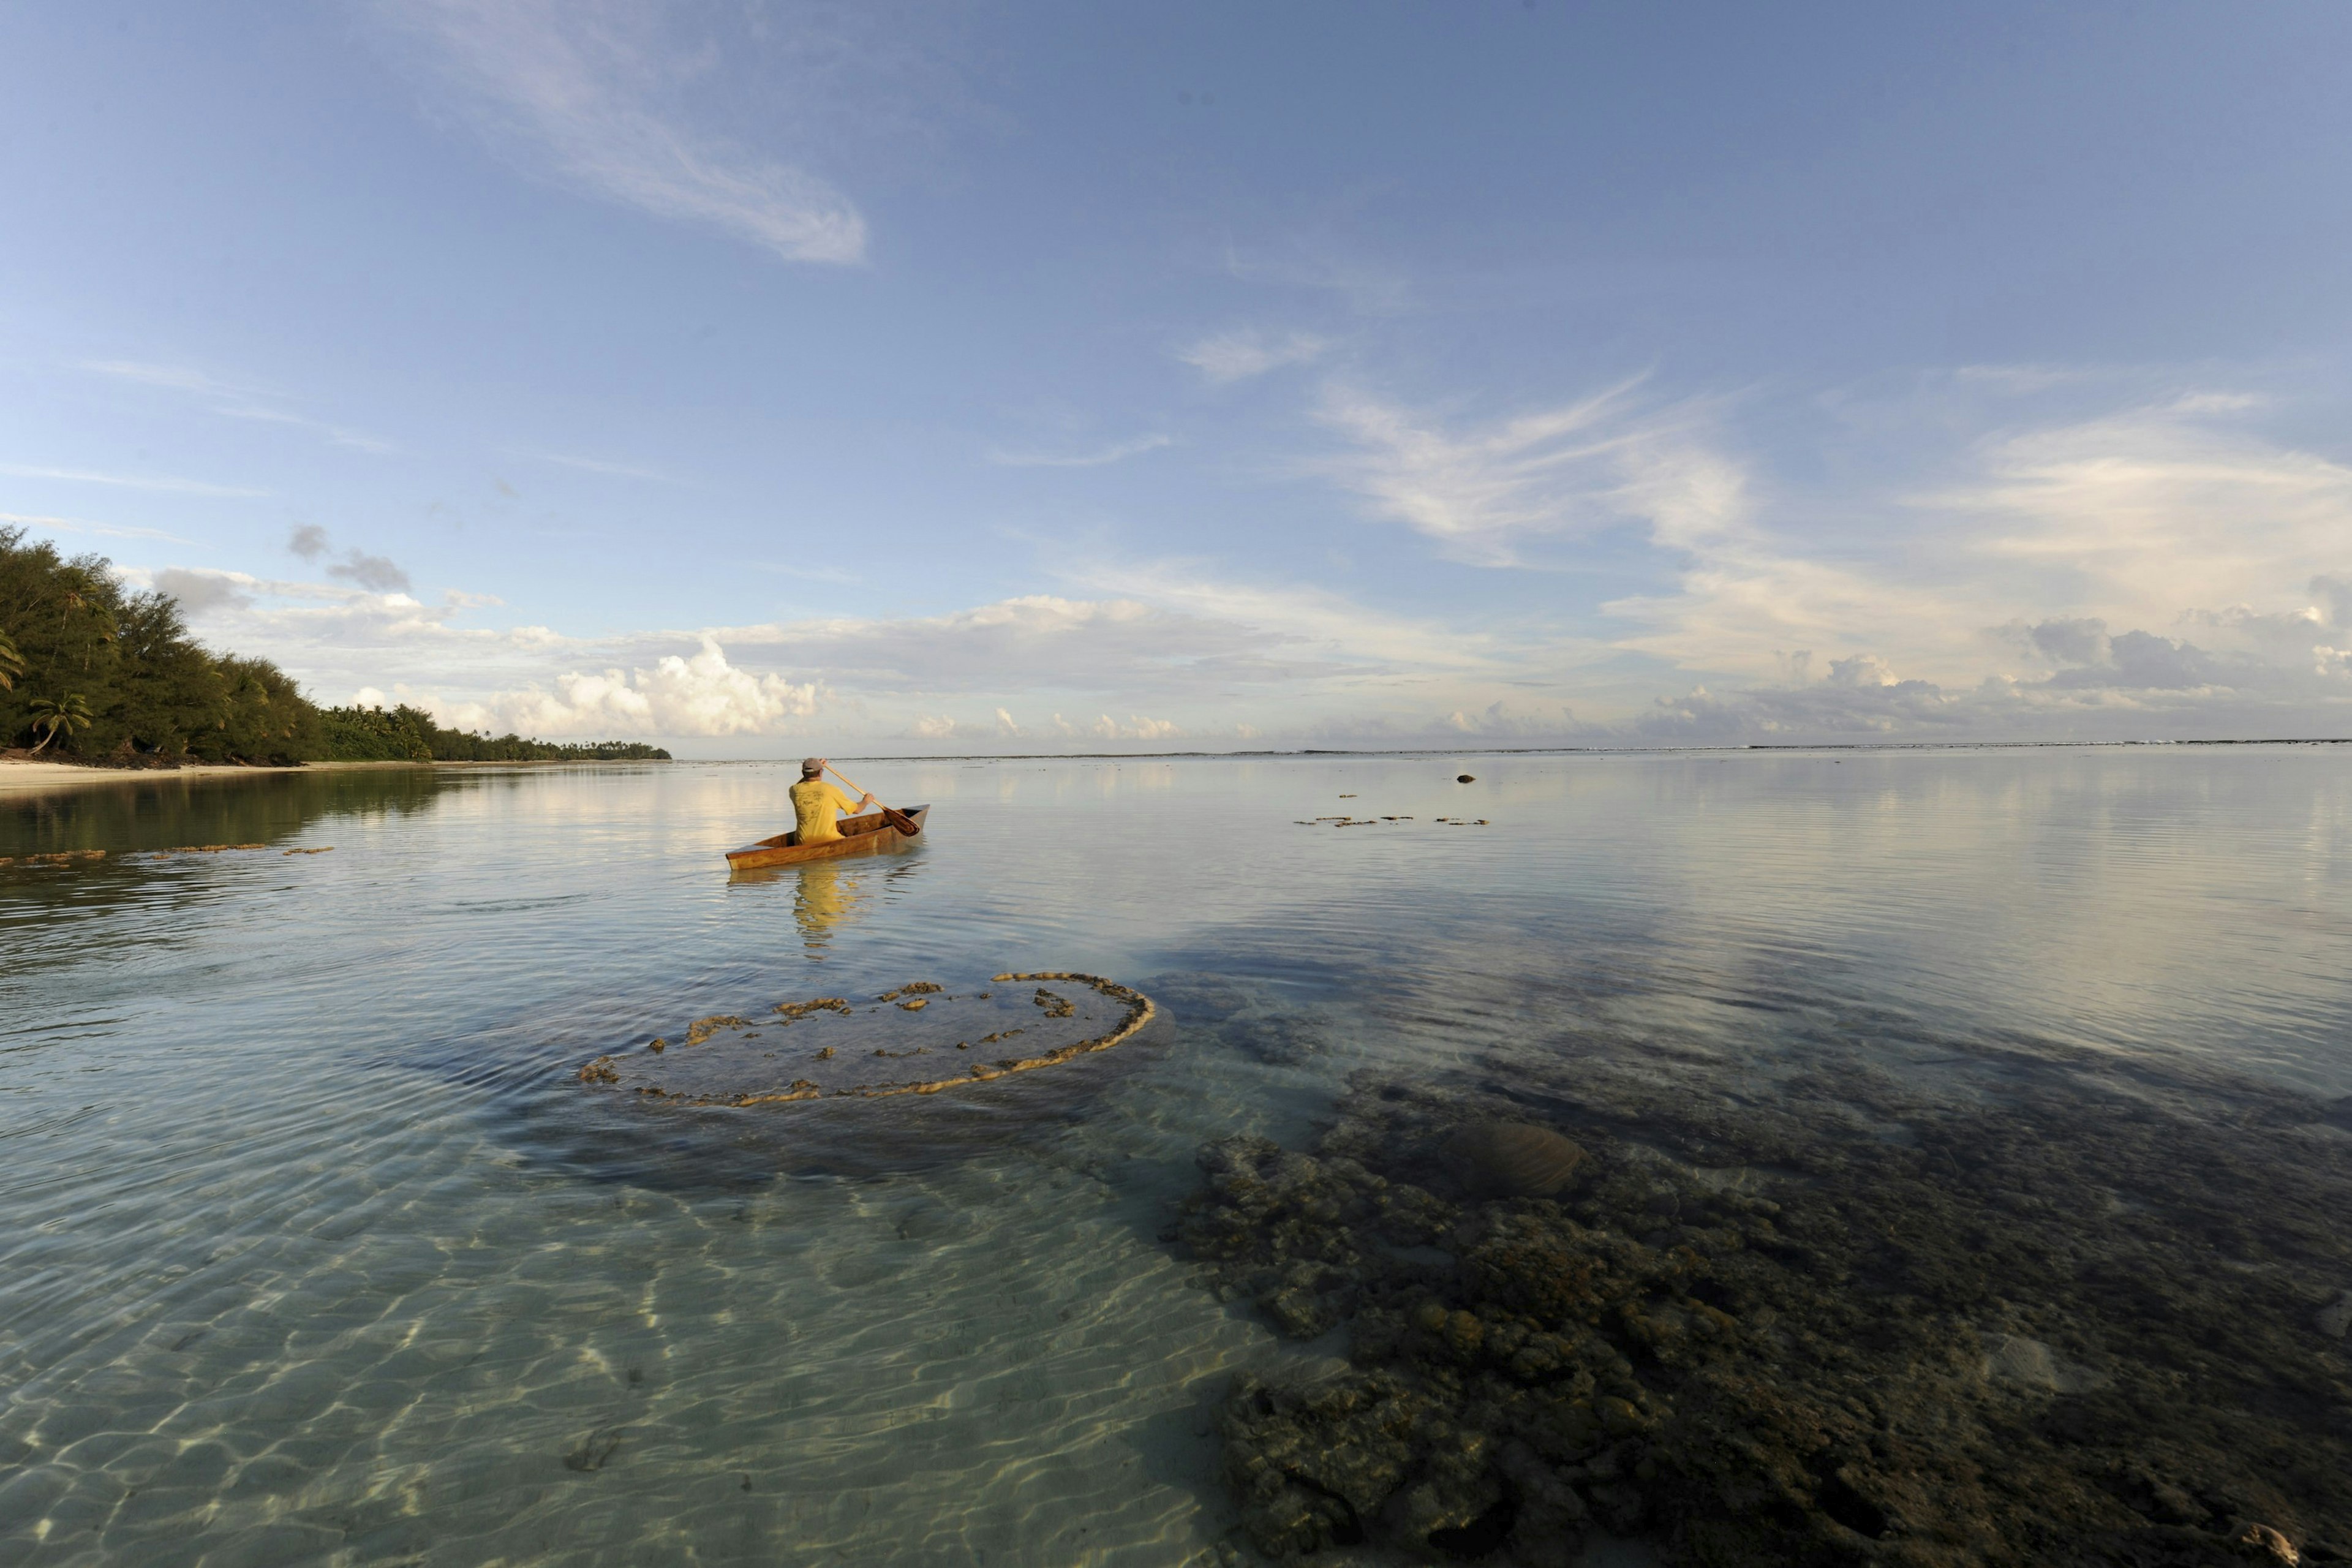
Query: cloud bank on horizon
point(979, 379)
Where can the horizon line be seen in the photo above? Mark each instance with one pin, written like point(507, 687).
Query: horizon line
point(1542, 750)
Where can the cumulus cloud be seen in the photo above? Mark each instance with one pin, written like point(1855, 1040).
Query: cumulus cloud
point(598, 94)
point(1137, 728)
point(2091, 705)
point(1244, 353)
point(1499, 722)
point(2076, 679)
point(200, 591)
point(377, 573)
point(336, 637)
point(886, 675)
point(696, 695)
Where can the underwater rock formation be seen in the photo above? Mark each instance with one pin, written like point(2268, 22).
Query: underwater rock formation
point(2066, 1316)
point(1517, 1159)
point(1256, 1019)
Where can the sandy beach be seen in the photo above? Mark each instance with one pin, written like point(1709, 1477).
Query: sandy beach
point(20, 777)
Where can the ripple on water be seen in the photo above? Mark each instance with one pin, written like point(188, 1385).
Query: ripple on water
point(318, 1246)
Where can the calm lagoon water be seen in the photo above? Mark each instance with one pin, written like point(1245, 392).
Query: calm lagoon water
point(317, 1249)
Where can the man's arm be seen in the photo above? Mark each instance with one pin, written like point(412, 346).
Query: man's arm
point(840, 798)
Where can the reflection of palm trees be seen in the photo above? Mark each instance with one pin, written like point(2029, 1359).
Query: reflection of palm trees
point(825, 898)
point(68, 714)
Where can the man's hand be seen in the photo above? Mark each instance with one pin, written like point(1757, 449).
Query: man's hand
point(867, 801)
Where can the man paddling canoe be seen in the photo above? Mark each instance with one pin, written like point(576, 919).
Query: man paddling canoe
point(814, 801)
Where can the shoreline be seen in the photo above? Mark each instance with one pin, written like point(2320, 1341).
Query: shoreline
point(21, 776)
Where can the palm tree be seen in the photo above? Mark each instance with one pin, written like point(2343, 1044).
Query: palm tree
point(69, 713)
point(12, 663)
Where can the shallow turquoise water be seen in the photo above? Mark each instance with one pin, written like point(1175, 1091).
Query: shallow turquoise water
point(318, 1250)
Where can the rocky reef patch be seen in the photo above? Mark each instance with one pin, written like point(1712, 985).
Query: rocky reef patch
point(2014, 1306)
point(917, 1039)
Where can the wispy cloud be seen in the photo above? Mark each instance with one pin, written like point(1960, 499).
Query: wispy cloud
point(1321, 634)
point(2164, 516)
point(231, 401)
point(2159, 568)
point(605, 466)
point(172, 378)
point(129, 481)
point(1118, 649)
point(80, 525)
point(339, 435)
point(2153, 509)
point(808, 574)
point(1118, 452)
point(1368, 288)
point(1576, 468)
point(1244, 352)
point(577, 89)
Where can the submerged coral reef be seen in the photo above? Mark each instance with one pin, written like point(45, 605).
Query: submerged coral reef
point(2021, 1307)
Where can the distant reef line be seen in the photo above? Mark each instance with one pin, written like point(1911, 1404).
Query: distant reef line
point(97, 675)
point(1623, 749)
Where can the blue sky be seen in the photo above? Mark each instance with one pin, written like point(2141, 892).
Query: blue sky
point(765, 377)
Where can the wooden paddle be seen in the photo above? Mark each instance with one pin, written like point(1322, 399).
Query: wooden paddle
point(898, 820)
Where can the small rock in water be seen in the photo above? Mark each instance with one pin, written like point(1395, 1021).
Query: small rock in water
point(2336, 1318)
point(1519, 1159)
point(595, 1450)
point(2029, 1363)
point(1465, 778)
point(2264, 1544)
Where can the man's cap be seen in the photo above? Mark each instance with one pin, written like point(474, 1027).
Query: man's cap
point(812, 765)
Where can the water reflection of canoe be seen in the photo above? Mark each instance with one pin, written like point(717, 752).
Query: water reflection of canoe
point(859, 836)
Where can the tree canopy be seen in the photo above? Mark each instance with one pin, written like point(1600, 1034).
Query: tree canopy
point(75, 641)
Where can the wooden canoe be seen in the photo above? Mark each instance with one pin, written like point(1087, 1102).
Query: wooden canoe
point(859, 836)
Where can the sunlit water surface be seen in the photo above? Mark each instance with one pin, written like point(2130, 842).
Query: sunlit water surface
point(317, 1249)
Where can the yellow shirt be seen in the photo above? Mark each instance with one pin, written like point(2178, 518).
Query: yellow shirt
point(813, 801)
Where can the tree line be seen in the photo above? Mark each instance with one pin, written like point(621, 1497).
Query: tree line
point(94, 671)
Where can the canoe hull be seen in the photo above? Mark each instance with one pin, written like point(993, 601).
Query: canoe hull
point(859, 836)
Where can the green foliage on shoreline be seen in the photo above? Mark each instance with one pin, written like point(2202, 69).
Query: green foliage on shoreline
point(94, 671)
point(409, 734)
